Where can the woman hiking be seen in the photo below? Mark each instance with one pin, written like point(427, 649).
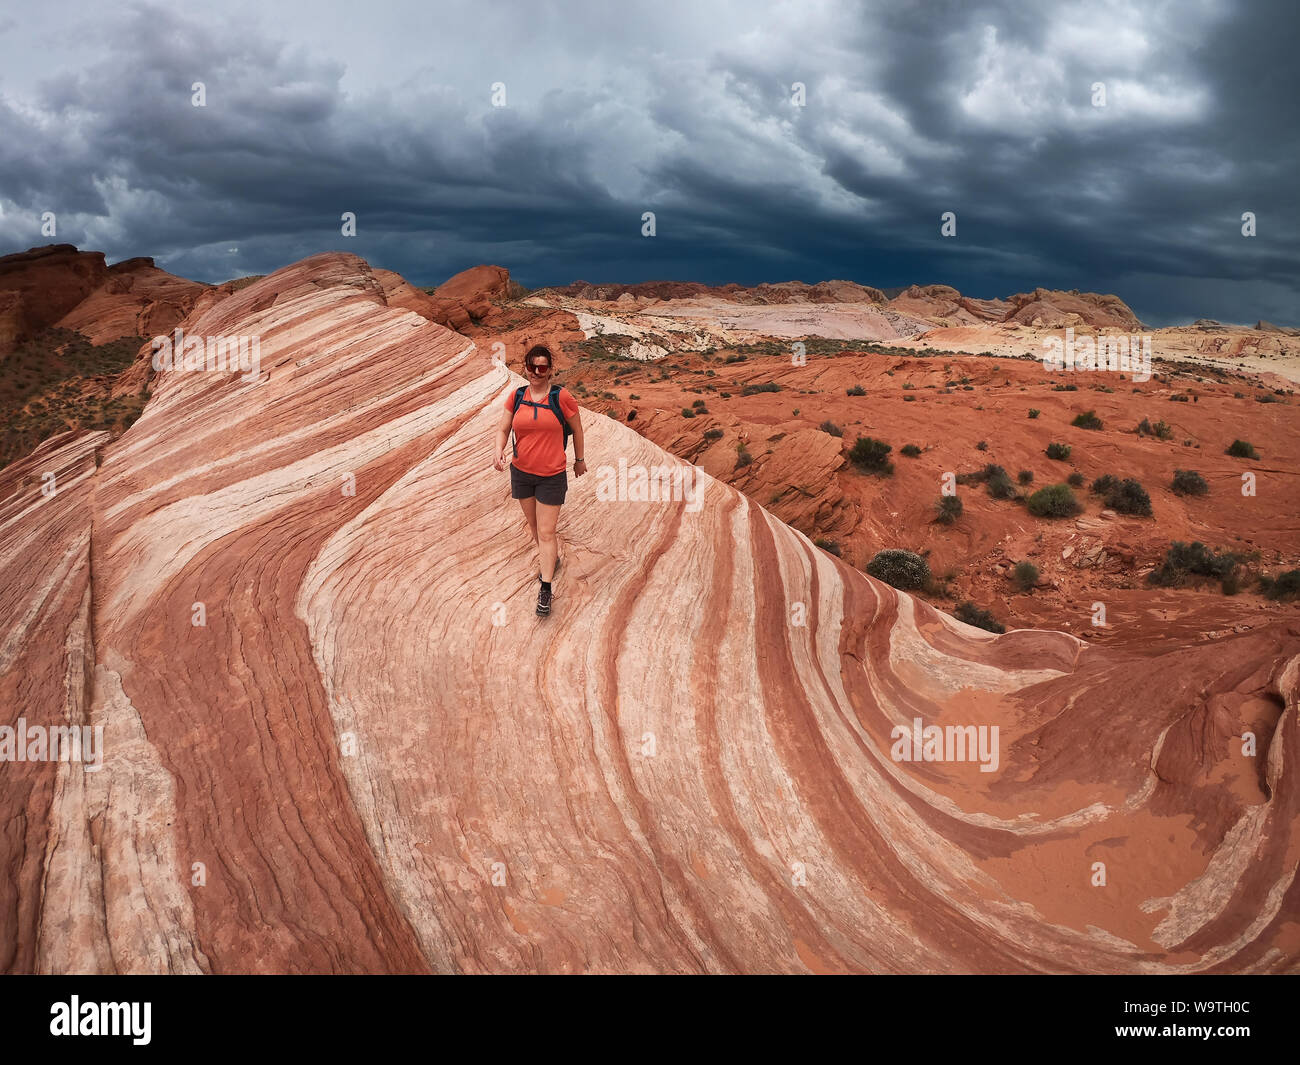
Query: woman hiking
point(537, 474)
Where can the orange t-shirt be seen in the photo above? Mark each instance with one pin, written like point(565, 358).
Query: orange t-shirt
point(539, 436)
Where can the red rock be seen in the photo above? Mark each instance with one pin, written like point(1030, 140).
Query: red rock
point(386, 763)
point(39, 286)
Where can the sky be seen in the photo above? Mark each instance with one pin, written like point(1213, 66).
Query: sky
point(1103, 146)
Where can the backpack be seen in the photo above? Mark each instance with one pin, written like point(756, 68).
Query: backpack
point(552, 401)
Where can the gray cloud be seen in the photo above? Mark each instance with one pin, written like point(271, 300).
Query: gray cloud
point(984, 109)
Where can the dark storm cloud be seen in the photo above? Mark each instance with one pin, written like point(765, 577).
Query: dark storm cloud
point(983, 109)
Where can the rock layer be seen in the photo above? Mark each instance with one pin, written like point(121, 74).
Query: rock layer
point(338, 739)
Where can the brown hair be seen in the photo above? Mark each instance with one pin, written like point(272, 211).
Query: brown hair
point(539, 349)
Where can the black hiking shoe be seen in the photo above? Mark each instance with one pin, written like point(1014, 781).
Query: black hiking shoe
point(543, 601)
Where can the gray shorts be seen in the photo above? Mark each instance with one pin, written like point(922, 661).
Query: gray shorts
point(548, 490)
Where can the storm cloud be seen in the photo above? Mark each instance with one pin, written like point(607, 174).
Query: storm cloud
point(987, 110)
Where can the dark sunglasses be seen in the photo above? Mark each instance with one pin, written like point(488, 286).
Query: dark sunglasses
point(539, 369)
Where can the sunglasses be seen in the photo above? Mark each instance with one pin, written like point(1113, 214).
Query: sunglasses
point(544, 368)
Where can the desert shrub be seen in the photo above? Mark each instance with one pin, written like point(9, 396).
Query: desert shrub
point(832, 546)
point(713, 434)
point(1129, 497)
point(908, 384)
point(1178, 398)
point(1231, 584)
point(856, 390)
point(1283, 586)
point(734, 358)
point(1104, 484)
point(631, 415)
point(902, 569)
point(1000, 485)
point(633, 396)
point(687, 412)
point(871, 455)
point(698, 403)
point(1065, 388)
point(1265, 397)
point(1025, 477)
point(1189, 483)
point(909, 399)
point(1087, 420)
point(1182, 560)
point(1034, 412)
point(829, 426)
point(1160, 429)
point(1060, 452)
point(766, 386)
point(1025, 575)
point(1075, 480)
point(981, 619)
point(743, 458)
point(949, 508)
point(725, 395)
point(1054, 501)
point(1242, 449)
point(983, 445)
point(910, 450)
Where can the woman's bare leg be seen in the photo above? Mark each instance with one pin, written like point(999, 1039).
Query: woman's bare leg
point(530, 515)
point(547, 543)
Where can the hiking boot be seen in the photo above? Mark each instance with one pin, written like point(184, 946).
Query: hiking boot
point(543, 601)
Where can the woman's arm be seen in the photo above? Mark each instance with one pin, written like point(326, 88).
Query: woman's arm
point(575, 423)
point(503, 431)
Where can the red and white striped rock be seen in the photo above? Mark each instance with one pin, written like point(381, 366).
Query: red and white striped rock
point(374, 757)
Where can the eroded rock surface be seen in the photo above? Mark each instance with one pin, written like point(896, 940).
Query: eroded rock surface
point(337, 738)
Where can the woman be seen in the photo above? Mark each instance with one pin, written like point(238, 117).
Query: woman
point(537, 474)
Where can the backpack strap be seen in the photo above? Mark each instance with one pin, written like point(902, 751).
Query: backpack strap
point(554, 400)
point(519, 397)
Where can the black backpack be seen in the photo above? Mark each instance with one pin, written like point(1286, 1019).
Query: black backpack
point(552, 401)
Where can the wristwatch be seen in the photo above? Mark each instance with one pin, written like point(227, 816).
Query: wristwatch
point(576, 459)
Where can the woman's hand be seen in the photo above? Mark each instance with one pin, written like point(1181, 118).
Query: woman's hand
point(499, 463)
point(579, 468)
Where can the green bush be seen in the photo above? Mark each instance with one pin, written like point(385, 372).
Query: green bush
point(1182, 560)
point(1087, 420)
point(829, 426)
point(983, 445)
point(1025, 477)
point(1242, 449)
point(1033, 412)
point(949, 508)
point(1075, 480)
point(1000, 485)
point(902, 569)
point(698, 403)
point(1060, 452)
point(687, 412)
point(713, 434)
point(832, 546)
point(766, 386)
point(1054, 501)
point(981, 619)
point(1189, 483)
point(1065, 388)
point(910, 450)
point(1025, 575)
point(871, 455)
point(1104, 484)
point(1283, 586)
point(856, 390)
point(1129, 497)
point(1160, 430)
